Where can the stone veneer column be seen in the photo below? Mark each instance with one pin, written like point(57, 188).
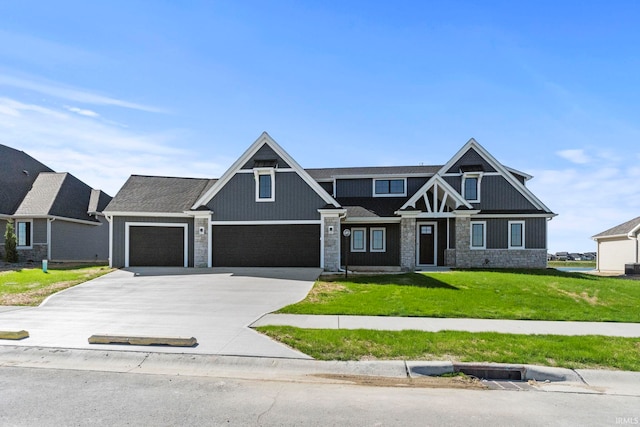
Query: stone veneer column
point(201, 241)
point(463, 243)
point(331, 234)
point(408, 240)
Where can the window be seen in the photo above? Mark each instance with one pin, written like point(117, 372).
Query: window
point(358, 240)
point(516, 234)
point(265, 188)
point(389, 187)
point(23, 233)
point(378, 240)
point(478, 235)
point(471, 187)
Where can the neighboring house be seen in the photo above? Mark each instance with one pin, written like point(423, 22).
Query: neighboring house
point(266, 210)
point(618, 246)
point(562, 256)
point(56, 216)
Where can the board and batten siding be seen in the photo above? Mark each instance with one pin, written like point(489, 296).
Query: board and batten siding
point(363, 187)
point(294, 200)
point(391, 257)
point(496, 193)
point(119, 234)
point(469, 158)
point(71, 241)
point(265, 153)
point(498, 232)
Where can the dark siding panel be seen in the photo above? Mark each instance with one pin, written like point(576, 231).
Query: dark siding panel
point(265, 153)
point(455, 182)
point(497, 233)
point(81, 242)
point(39, 231)
point(327, 186)
point(389, 258)
point(295, 200)
point(119, 231)
point(452, 233)
point(471, 157)
point(156, 247)
point(266, 246)
point(442, 240)
point(354, 187)
point(536, 233)
point(497, 193)
point(414, 184)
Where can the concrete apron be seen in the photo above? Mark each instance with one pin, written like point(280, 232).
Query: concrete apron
point(214, 305)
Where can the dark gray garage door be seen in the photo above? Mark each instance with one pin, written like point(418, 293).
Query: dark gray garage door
point(156, 246)
point(266, 245)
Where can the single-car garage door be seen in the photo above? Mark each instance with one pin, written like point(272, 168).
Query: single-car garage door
point(151, 246)
point(266, 245)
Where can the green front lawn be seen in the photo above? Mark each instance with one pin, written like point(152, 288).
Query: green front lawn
point(572, 264)
point(487, 294)
point(591, 351)
point(30, 286)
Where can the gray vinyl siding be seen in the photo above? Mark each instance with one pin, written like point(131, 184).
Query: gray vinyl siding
point(498, 232)
point(496, 193)
point(265, 153)
point(414, 184)
point(71, 241)
point(327, 186)
point(455, 182)
point(362, 187)
point(391, 257)
point(471, 157)
point(39, 231)
point(119, 233)
point(294, 200)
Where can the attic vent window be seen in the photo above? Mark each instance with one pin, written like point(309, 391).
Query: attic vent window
point(471, 168)
point(265, 163)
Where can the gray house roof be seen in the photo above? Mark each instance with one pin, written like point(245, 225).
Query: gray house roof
point(326, 174)
point(158, 194)
point(18, 171)
point(620, 230)
point(61, 195)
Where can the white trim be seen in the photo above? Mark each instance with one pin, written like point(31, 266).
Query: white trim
point(270, 172)
point(110, 220)
point(384, 239)
point(15, 230)
point(526, 176)
point(210, 246)
point(376, 220)
point(128, 225)
point(322, 217)
point(49, 221)
point(61, 218)
point(436, 215)
point(472, 143)
point(151, 214)
point(515, 215)
point(463, 188)
point(237, 165)
point(435, 243)
point(522, 223)
point(457, 174)
point(269, 222)
point(484, 235)
point(364, 239)
point(444, 185)
point(382, 176)
point(404, 186)
point(276, 169)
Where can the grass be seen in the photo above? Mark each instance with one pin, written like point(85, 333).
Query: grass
point(30, 286)
point(574, 264)
point(596, 352)
point(498, 294)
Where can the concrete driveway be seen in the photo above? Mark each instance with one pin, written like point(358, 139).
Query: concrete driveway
point(214, 305)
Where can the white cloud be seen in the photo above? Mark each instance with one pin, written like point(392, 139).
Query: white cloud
point(82, 111)
point(575, 156)
point(100, 153)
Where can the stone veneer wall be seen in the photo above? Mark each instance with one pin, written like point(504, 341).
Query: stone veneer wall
point(331, 243)
point(450, 257)
point(408, 243)
point(201, 243)
point(37, 254)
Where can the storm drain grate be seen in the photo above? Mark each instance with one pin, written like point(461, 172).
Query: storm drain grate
point(492, 373)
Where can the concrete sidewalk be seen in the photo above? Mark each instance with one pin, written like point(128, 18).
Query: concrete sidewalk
point(430, 324)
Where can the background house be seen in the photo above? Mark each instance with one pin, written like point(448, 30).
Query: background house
point(618, 246)
point(56, 216)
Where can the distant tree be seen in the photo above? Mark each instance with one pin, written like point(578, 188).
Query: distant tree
point(10, 252)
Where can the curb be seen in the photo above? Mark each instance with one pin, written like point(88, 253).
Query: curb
point(495, 371)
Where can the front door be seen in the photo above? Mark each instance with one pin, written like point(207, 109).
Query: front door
point(427, 243)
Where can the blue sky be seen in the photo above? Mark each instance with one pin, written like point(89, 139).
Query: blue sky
point(108, 89)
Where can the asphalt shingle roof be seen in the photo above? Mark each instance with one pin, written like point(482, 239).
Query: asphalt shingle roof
point(329, 173)
point(18, 171)
point(623, 228)
point(371, 206)
point(158, 194)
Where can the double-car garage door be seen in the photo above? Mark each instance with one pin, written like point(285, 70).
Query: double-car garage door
point(266, 245)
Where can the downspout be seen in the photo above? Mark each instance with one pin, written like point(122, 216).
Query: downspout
point(110, 221)
point(340, 217)
point(49, 221)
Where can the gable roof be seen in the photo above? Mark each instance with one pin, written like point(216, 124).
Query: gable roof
point(60, 195)
point(158, 194)
point(253, 149)
point(437, 180)
point(18, 171)
point(627, 229)
point(472, 144)
point(328, 174)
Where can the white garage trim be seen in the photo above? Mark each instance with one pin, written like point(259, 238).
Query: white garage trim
point(128, 225)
